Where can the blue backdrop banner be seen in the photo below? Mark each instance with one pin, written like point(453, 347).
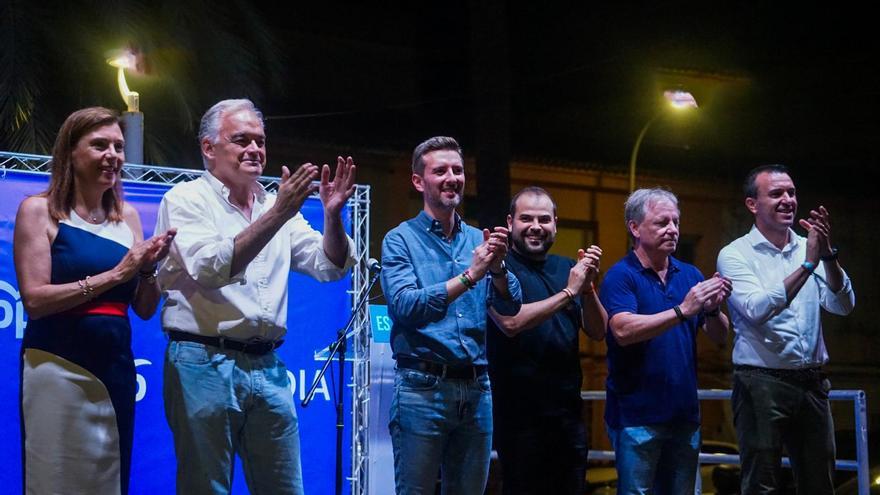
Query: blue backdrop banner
point(315, 313)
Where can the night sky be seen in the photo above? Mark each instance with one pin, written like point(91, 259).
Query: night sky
point(776, 82)
point(560, 82)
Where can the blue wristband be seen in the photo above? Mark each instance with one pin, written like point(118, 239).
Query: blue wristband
point(809, 267)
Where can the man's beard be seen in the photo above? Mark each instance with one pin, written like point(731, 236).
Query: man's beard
point(524, 248)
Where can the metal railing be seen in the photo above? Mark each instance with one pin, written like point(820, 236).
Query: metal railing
point(860, 464)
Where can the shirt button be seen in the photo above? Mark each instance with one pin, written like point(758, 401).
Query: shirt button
point(460, 315)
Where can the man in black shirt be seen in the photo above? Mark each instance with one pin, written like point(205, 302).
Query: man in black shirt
point(533, 356)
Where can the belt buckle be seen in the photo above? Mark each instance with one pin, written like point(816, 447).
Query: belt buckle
point(257, 345)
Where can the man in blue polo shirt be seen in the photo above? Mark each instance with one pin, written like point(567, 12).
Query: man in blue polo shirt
point(655, 305)
point(440, 275)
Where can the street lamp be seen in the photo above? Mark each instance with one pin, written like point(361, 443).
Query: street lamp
point(678, 101)
point(133, 118)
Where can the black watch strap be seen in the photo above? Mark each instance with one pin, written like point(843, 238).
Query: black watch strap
point(832, 256)
point(503, 270)
point(679, 313)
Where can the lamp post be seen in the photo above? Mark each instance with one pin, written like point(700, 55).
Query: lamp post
point(132, 117)
point(678, 100)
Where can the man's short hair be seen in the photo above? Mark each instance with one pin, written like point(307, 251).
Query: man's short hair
point(533, 190)
point(435, 143)
point(750, 188)
point(210, 126)
point(638, 202)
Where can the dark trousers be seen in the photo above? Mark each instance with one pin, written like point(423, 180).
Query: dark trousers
point(542, 454)
point(772, 411)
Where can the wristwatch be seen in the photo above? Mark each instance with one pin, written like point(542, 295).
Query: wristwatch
point(502, 272)
point(149, 276)
point(830, 257)
point(679, 313)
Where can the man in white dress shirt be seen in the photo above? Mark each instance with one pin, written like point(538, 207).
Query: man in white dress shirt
point(226, 391)
point(780, 282)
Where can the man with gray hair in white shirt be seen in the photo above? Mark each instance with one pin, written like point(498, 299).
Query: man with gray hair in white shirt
point(226, 391)
point(781, 281)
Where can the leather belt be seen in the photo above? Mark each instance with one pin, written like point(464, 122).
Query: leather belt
point(461, 372)
point(813, 374)
point(258, 347)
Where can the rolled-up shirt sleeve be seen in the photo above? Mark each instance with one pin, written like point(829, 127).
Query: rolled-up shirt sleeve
point(198, 249)
point(841, 302)
point(506, 307)
point(408, 302)
point(756, 301)
point(307, 254)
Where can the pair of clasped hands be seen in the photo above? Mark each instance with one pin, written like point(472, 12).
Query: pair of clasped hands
point(492, 251)
point(707, 296)
point(818, 228)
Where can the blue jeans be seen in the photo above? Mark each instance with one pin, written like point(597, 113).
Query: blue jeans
point(658, 459)
point(222, 402)
point(440, 425)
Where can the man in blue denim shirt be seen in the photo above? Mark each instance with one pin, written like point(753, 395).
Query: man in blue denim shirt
point(439, 277)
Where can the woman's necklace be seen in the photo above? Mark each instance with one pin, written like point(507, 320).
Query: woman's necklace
point(93, 216)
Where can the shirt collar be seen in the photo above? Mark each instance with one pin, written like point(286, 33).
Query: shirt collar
point(636, 263)
point(220, 188)
point(758, 241)
point(435, 227)
point(527, 261)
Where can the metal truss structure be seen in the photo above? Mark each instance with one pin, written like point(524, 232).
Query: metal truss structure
point(359, 208)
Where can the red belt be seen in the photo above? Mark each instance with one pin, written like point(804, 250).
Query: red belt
point(100, 308)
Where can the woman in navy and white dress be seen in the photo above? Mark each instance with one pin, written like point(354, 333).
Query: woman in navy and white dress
point(81, 261)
